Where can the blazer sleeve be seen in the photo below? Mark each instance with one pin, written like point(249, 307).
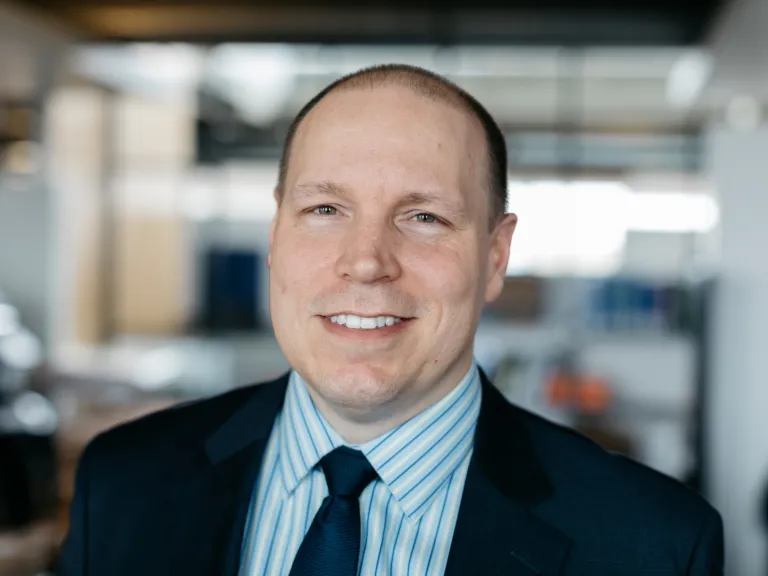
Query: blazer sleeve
point(74, 551)
point(708, 554)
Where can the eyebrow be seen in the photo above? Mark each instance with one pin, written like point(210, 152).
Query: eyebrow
point(325, 188)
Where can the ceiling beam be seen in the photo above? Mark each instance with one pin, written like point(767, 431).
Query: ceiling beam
point(327, 24)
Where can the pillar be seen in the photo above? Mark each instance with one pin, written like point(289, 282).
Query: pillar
point(737, 408)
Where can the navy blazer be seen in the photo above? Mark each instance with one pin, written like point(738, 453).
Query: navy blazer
point(169, 494)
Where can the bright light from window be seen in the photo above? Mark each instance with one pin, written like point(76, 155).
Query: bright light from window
point(154, 68)
point(688, 77)
point(200, 202)
point(256, 78)
point(669, 212)
point(250, 192)
point(581, 227)
point(237, 192)
point(566, 228)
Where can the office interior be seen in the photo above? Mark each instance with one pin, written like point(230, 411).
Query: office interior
point(138, 156)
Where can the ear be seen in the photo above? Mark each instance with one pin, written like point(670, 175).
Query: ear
point(272, 228)
point(498, 256)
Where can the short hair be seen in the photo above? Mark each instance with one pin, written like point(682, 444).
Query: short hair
point(429, 85)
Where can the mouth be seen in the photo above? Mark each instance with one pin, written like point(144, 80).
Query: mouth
point(373, 322)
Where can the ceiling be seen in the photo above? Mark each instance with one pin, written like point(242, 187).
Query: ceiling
point(548, 67)
point(522, 22)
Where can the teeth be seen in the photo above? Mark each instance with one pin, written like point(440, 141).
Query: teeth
point(363, 322)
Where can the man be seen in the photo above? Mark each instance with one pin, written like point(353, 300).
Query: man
point(385, 450)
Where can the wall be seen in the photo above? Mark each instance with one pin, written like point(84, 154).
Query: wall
point(25, 258)
point(32, 53)
point(738, 396)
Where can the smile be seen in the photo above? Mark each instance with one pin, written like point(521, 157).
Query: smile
point(365, 322)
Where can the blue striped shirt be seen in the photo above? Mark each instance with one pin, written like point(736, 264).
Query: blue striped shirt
point(408, 514)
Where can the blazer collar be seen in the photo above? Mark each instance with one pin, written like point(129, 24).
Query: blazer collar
point(250, 423)
point(504, 453)
point(235, 451)
point(499, 431)
point(498, 530)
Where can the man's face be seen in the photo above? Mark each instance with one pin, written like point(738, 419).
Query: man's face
point(384, 222)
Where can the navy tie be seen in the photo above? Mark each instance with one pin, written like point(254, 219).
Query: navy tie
point(331, 546)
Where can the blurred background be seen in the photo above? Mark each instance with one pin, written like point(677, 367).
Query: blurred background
point(138, 153)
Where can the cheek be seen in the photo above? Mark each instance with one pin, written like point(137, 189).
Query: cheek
point(448, 275)
point(298, 264)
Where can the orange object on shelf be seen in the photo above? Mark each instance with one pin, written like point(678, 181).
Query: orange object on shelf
point(590, 395)
point(594, 396)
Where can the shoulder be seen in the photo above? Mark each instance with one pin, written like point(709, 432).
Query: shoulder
point(170, 438)
point(611, 487)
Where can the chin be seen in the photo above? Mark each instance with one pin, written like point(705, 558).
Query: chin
point(357, 386)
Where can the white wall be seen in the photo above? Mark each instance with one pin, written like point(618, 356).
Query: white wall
point(738, 405)
point(25, 235)
point(32, 54)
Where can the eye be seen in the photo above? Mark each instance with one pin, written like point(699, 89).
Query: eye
point(426, 218)
point(325, 210)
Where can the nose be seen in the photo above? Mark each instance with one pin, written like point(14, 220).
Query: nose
point(369, 254)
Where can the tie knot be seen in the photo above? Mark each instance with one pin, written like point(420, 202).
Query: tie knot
point(347, 472)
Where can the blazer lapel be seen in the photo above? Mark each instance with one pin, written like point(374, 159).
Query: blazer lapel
point(497, 530)
point(223, 498)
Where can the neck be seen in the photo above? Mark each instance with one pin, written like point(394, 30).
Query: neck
point(361, 424)
point(358, 428)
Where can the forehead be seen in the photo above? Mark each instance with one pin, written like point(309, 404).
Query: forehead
point(389, 135)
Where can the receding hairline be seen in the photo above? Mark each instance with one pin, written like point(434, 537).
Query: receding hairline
point(421, 83)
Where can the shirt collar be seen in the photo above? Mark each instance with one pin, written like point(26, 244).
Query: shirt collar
point(414, 460)
point(305, 434)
